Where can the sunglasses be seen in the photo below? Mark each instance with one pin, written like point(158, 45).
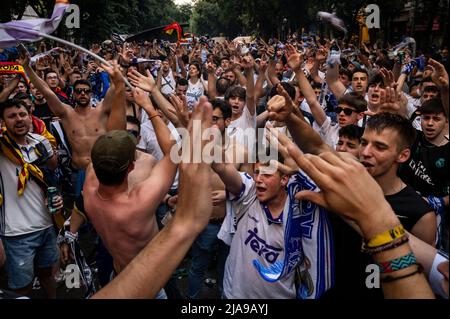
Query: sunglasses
point(347, 111)
point(79, 91)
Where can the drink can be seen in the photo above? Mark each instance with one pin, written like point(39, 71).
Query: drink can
point(52, 192)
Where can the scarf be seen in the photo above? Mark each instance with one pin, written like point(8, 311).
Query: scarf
point(12, 152)
point(307, 244)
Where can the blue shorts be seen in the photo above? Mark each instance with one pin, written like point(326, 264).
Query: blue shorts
point(24, 252)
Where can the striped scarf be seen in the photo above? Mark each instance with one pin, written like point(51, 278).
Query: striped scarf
point(11, 151)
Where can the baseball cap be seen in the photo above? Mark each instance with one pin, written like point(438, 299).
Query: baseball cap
point(113, 152)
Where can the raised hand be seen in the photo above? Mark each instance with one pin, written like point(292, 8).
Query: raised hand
point(194, 205)
point(247, 62)
point(439, 75)
point(280, 106)
point(24, 56)
point(294, 59)
point(114, 73)
point(275, 137)
point(181, 108)
point(340, 177)
point(141, 97)
point(147, 83)
point(388, 77)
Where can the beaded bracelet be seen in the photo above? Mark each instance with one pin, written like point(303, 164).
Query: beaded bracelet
point(398, 263)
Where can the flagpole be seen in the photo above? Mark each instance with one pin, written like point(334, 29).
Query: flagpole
point(73, 45)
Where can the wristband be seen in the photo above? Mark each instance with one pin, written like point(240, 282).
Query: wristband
point(398, 263)
point(393, 244)
point(153, 116)
point(391, 278)
point(386, 237)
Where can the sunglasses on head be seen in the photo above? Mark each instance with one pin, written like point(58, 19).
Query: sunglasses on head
point(347, 111)
point(79, 91)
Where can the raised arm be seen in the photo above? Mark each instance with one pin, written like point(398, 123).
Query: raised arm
point(229, 176)
point(117, 119)
point(440, 78)
point(147, 83)
point(339, 177)
point(56, 106)
point(247, 63)
point(8, 89)
point(333, 82)
point(295, 61)
point(162, 131)
point(149, 271)
point(212, 80)
point(281, 108)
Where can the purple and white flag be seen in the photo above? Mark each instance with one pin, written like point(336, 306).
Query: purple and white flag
point(14, 32)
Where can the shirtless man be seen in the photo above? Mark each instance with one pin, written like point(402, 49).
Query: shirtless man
point(84, 123)
point(125, 218)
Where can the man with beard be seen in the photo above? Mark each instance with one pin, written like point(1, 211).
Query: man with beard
point(84, 123)
point(166, 80)
point(26, 229)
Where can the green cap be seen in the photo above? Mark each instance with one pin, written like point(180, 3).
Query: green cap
point(113, 152)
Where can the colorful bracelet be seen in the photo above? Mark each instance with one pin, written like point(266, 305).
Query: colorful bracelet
point(386, 237)
point(398, 263)
point(393, 244)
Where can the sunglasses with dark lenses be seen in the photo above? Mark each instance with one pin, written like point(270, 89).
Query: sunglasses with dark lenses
point(79, 91)
point(347, 111)
point(134, 133)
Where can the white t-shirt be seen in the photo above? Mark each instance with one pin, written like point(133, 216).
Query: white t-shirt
point(193, 93)
point(243, 129)
point(255, 238)
point(259, 239)
point(329, 132)
point(168, 83)
point(150, 144)
point(20, 215)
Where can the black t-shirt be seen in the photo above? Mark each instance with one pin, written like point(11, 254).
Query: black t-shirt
point(43, 112)
point(350, 262)
point(427, 169)
point(408, 206)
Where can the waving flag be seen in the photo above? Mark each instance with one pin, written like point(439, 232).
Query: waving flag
point(11, 34)
point(174, 27)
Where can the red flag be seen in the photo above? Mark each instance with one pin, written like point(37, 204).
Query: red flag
point(174, 26)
